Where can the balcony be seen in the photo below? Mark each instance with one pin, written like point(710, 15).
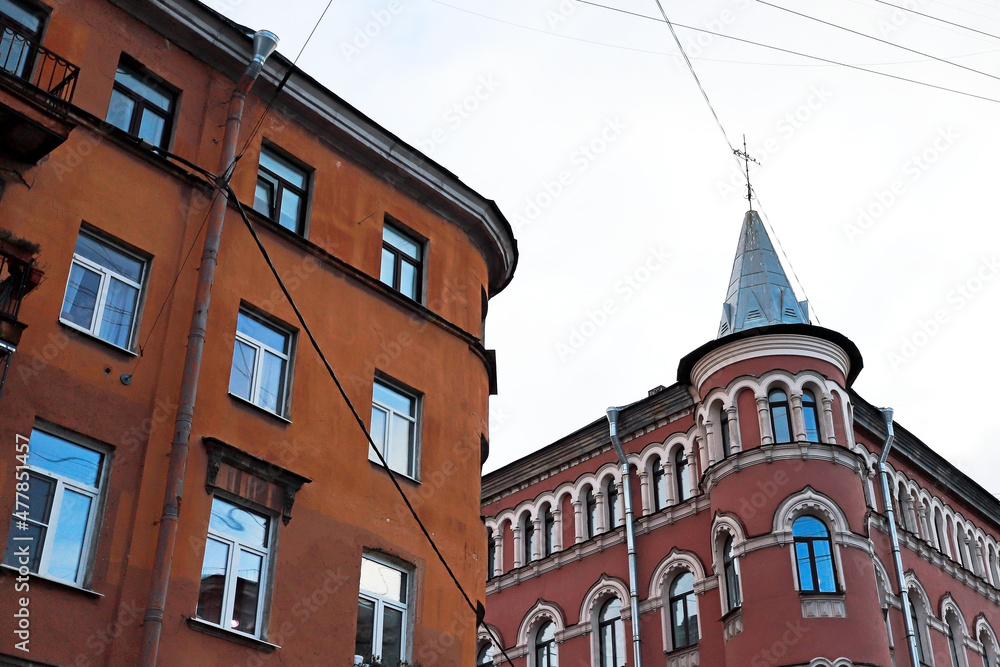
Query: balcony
point(36, 90)
point(18, 277)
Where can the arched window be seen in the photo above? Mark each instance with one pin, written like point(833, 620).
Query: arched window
point(545, 646)
point(527, 538)
point(611, 498)
point(781, 426)
point(683, 475)
point(916, 628)
point(990, 658)
point(491, 554)
point(683, 611)
point(611, 634)
point(814, 556)
point(591, 502)
point(485, 656)
point(727, 447)
point(659, 485)
point(548, 532)
point(955, 638)
point(810, 416)
point(730, 575)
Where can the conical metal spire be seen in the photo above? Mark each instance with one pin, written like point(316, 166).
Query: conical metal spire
point(759, 292)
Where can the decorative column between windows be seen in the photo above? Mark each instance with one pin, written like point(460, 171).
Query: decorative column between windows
point(644, 493)
point(602, 511)
point(693, 475)
point(557, 538)
point(498, 552)
point(764, 420)
point(536, 544)
point(578, 520)
point(518, 550)
point(735, 442)
point(827, 402)
point(798, 420)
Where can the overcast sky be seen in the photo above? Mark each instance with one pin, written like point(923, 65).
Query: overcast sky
point(592, 136)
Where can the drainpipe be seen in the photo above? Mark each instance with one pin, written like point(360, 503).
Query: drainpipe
point(633, 576)
point(264, 43)
point(897, 560)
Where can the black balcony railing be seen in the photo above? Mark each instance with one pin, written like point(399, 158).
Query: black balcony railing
point(23, 57)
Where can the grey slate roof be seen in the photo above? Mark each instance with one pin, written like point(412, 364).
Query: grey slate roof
point(759, 293)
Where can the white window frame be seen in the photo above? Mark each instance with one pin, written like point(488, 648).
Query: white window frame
point(232, 570)
point(96, 495)
point(258, 364)
point(415, 419)
point(101, 301)
point(382, 601)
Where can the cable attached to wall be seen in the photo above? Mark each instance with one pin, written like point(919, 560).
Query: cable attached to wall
point(478, 609)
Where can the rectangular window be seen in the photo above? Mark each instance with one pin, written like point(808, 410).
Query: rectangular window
point(261, 363)
point(141, 105)
point(394, 427)
point(282, 189)
point(382, 609)
point(402, 262)
point(104, 290)
point(20, 26)
point(53, 529)
point(234, 572)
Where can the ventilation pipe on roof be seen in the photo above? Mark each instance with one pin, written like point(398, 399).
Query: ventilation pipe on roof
point(633, 576)
point(897, 560)
point(264, 43)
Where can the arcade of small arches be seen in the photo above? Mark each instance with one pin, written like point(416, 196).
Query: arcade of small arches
point(929, 518)
point(816, 529)
point(790, 408)
point(978, 637)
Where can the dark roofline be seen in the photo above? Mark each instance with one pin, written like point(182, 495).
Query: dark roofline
point(926, 460)
point(225, 45)
point(688, 362)
point(586, 439)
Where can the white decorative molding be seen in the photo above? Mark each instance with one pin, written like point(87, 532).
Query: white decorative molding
point(823, 662)
point(831, 606)
point(687, 658)
point(542, 611)
point(788, 345)
point(733, 626)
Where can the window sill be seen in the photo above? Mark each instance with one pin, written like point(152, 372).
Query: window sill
point(207, 628)
point(399, 475)
point(256, 407)
point(823, 605)
point(13, 571)
point(80, 330)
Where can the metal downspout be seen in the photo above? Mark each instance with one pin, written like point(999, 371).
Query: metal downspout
point(633, 576)
point(264, 43)
point(897, 560)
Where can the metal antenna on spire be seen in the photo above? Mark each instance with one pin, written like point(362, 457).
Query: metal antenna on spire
point(747, 159)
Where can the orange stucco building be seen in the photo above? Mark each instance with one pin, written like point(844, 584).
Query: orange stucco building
point(292, 546)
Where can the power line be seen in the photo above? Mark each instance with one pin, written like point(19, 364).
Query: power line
point(732, 150)
point(281, 84)
point(477, 608)
point(806, 55)
point(878, 39)
point(935, 18)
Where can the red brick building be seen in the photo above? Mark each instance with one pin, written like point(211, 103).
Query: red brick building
point(761, 535)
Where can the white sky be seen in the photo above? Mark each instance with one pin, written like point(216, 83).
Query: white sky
point(535, 81)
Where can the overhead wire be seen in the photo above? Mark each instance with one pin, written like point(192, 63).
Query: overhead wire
point(476, 608)
point(878, 39)
point(284, 80)
point(804, 55)
point(935, 18)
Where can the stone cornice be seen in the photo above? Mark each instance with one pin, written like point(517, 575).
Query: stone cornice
point(794, 345)
point(225, 46)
